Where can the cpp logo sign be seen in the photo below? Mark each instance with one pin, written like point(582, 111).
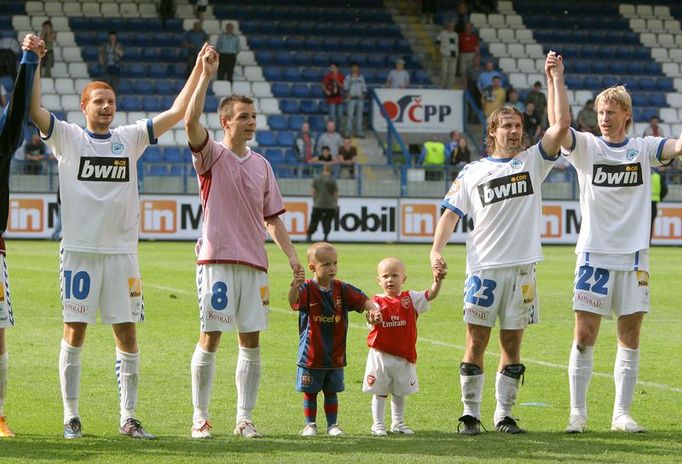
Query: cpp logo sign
point(413, 109)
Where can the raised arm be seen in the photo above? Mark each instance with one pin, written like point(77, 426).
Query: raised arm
point(446, 224)
point(196, 133)
point(14, 116)
point(558, 133)
point(39, 115)
point(672, 149)
point(164, 121)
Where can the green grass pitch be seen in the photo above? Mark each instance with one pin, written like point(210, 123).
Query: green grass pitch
point(170, 332)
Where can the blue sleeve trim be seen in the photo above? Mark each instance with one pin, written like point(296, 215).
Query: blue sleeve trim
point(545, 155)
point(659, 152)
point(454, 209)
point(29, 58)
point(150, 132)
point(50, 129)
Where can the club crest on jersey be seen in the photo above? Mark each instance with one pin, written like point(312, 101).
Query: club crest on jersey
point(515, 164)
point(306, 380)
point(631, 154)
point(337, 304)
point(117, 148)
point(405, 302)
point(621, 175)
point(504, 188)
point(103, 169)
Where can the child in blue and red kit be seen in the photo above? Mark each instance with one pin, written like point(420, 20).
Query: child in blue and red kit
point(323, 303)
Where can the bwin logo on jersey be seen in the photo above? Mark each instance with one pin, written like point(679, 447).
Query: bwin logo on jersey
point(503, 188)
point(621, 175)
point(103, 169)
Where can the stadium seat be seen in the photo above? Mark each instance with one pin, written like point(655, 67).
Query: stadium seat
point(173, 155)
point(295, 122)
point(300, 91)
point(277, 122)
point(289, 106)
point(266, 139)
point(286, 138)
point(153, 154)
point(309, 106)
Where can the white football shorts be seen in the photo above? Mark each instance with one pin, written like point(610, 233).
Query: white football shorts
point(92, 282)
point(386, 373)
point(606, 292)
point(6, 314)
point(232, 295)
point(509, 294)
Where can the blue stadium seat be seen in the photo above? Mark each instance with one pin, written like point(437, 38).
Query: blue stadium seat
point(173, 155)
point(639, 99)
point(90, 53)
point(284, 58)
point(151, 103)
point(136, 70)
point(280, 89)
point(165, 87)
point(176, 70)
point(158, 170)
point(300, 91)
point(177, 170)
point(266, 139)
point(609, 81)
point(664, 84)
point(312, 74)
point(128, 103)
point(647, 84)
point(153, 154)
point(295, 122)
point(657, 99)
point(592, 82)
point(160, 70)
point(288, 106)
point(309, 106)
point(265, 58)
point(143, 86)
point(274, 155)
point(272, 74)
point(151, 54)
point(286, 138)
point(291, 74)
point(125, 86)
point(599, 67)
point(317, 123)
point(211, 105)
point(648, 113)
point(277, 122)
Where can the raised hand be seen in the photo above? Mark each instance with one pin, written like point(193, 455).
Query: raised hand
point(439, 268)
point(209, 60)
point(34, 44)
point(299, 276)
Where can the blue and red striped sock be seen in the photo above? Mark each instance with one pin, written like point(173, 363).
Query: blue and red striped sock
point(331, 407)
point(310, 407)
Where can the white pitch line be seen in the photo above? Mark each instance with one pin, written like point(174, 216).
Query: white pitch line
point(538, 362)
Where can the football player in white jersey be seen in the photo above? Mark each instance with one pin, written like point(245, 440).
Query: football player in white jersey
point(100, 214)
point(501, 194)
point(612, 270)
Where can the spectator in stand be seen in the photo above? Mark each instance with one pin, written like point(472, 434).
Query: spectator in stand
point(200, 9)
point(587, 118)
point(653, 129)
point(35, 155)
point(228, 47)
point(331, 139)
point(110, 56)
point(471, 82)
point(493, 97)
point(452, 143)
point(332, 86)
point(448, 43)
point(49, 36)
point(9, 53)
point(461, 155)
point(347, 156)
point(433, 154)
point(305, 144)
point(398, 78)
point(461, 17)
point(355, 88)
point(325, 157)
point(468, 49)
point(193, 40)
point(485, 77)
point(539, 101)
point(531, 125)
point(166, 11)
point(428, 10)
point(513, 100)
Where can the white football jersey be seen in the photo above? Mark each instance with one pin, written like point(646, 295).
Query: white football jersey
point(615, 192)
point(98, 185)
point(504, 200)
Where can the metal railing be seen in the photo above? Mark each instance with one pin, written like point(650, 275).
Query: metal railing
point(391, 131)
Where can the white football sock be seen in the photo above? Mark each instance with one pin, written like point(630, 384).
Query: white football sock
point(4, 362)
point(397, 409)
point(203, 371)
point(472, 394)
point(70, 378)
point(128, 377)
point(247, 380)
point(505, 394)
point(378, 409)
point(579, 374)
point(625, 371)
